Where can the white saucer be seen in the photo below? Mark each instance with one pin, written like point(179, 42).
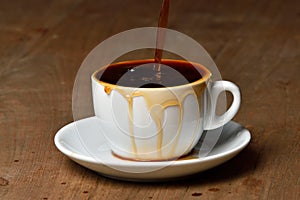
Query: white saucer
point(83, 142)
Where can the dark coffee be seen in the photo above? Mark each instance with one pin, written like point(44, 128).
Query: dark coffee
point(160, 37)
point(141, 74)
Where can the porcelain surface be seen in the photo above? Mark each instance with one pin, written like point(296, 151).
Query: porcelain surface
point(83, 142)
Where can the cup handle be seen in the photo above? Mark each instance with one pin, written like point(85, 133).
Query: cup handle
point(212, 120)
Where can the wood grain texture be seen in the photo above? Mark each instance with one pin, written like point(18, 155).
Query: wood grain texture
point(254, 43)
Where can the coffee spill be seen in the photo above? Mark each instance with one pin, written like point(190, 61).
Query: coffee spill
point(160, 37)
point(214, 189)
point(192, 155)
point(152, 99)
point(158, 118)
point(196, 194)
point(3, 182)
point(107, 89)
point(130, 122)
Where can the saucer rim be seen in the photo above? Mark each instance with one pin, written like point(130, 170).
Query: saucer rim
point(84, 158)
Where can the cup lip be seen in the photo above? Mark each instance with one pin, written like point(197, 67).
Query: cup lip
point(204, 79)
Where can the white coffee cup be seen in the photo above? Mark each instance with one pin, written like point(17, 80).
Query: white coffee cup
point(155, 124)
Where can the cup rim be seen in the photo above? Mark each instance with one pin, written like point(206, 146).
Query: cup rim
point(205, 78)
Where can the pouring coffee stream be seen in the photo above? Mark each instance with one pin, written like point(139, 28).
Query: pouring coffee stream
point(160, 36)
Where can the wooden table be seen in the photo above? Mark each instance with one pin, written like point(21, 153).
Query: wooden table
point(43, 43)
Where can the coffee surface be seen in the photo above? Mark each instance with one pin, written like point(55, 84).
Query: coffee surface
point(141, 74)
